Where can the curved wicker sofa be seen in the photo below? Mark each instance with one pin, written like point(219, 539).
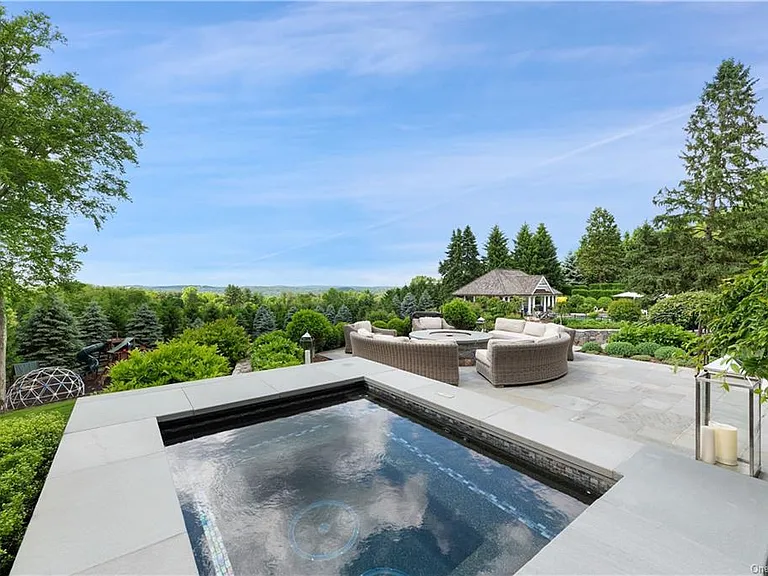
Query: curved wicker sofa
point(510, 363)
point(437, 359)
point(349, 328)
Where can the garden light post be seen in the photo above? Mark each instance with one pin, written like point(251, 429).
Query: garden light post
point(307, 342)
point(480, 324)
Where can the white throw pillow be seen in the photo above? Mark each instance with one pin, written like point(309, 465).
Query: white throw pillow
point(365, 333)
point(551, 329)
point(509, 325)
point(401, 338)
point(364, 324)
point(534, 329)
point(430, 323)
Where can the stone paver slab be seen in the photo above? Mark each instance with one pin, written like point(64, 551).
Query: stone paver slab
point(300, 379)
point(170, 557)
point(447, 399)
point(245, 389)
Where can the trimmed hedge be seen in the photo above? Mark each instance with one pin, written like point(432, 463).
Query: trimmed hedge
point(589, 323)
point(459, 313)
point(669, 352)
point(316, 324)
point(379, 324)
point(624, 311)
point(176, 361)
point(27, 447)
point(642, 357)
point(663, 334)
point(596, 294)
point(686, 310)
point(231, 339)
point(604, 302)
point(591, 347)
point(275, 350)
point(402, 326)
point(647, 348)
point(623, 349)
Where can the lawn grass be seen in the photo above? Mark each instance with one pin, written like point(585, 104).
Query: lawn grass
point(64, 408)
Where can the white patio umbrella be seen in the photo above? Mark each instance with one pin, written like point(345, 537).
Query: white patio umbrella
point(633, 295)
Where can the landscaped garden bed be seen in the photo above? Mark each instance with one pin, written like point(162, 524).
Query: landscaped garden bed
point(661, 343)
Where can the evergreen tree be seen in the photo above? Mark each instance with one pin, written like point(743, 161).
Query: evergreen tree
point(263, 322)
point(343, 315)
point(546, 257)
point(330, 313)
point(395, 300)
point(291, 311)
point(451, 269)
point(471, 266)
point(524, 253)
point(145, 327)
point(49, 334)
point(722, 200)
point(496, 250)
point(425, 301)
point(600, 256)
point(408, 306)
point(94, 325)
point(571, 274)
point(197, 323)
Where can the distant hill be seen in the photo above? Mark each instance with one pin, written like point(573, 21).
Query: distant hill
point(266, 290)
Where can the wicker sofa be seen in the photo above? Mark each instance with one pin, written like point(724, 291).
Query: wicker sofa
point(522, 331)
point(430, 323)
point(349, 328)
point(437, 359)
point(508, 362)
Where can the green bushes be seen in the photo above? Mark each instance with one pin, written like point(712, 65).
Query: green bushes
point(624, 310)
point(379, 316)
point(686, 310)
point(230, 339)
point(647, 348)
point(591, 347)
point(402, 326)
point(642, 357)
point(623, 349)
point(604, 302)
point(314, 323)
point(663, 334)
point(589, 303)
point(275, 350)
point(379, 323)
point(176, 361)
point(27, 447)
point(665, 353)
point(459, 313)
point(589, 323)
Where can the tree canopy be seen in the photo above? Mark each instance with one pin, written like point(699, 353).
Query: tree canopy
point(496, 250)
point(524, 251)
point(600, 256)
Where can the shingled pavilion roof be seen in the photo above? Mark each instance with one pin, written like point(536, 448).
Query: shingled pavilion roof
point(504, 282)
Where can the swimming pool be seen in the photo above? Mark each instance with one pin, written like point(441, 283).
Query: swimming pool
point(357, 489)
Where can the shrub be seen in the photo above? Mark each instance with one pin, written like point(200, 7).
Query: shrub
point(623, 310)
point(573, 304)
point(230, 339)
point(643, 357)
point(686, 310)
point(647, 348)
point(379, 324)
point(379, 316)
point(176, 361)
point(338, 334)
point(459, 313)
point(27, 447)
point(669, 352)
point(402, 326)
point(275, 350)
point(314, 323)
point(589, 323)
point(624, 349)
point(591, 347)
point(603, 302)
point(664, 334)
point(590, 304)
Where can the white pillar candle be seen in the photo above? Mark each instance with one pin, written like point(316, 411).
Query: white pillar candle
point(726, 443)
point(708, 445)
point(307, 357)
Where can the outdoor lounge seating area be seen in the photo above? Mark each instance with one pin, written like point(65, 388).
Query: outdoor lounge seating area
point(512, 362)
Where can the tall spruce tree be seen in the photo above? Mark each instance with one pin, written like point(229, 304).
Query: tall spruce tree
point(571, 274)
point(408, 306)
point(471, 265)
point(600, 256)
point(546, 257)
point(343, 315)
point(330, 313)
point(49, 334)
point(524, 253)
point(145, 327)
point(496, 250)
point(724, 198)
point(395, 301)
point(93, 324)
point(425, 301)
point(291, 311)
point(451, 269)
point(263, 322)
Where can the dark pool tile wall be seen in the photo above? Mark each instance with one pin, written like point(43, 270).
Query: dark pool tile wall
point(580, 478)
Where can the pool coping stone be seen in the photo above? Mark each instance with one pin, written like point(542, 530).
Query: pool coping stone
point(109, 504)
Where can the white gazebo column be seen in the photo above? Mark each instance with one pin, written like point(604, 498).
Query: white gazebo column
point(530, 305)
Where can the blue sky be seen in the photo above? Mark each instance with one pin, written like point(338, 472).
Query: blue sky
point(340, 143)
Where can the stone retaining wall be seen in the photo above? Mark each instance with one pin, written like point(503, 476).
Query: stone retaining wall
point(593, 335)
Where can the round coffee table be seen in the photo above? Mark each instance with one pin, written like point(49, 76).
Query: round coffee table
point(468, 341)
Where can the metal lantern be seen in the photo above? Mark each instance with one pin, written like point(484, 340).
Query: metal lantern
point(480, 324)
point(727, 373)
point(308, 343)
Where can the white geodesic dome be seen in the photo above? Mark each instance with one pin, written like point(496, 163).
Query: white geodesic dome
point(44, 385)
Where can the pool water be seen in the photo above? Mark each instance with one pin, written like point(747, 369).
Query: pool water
point(355, 489)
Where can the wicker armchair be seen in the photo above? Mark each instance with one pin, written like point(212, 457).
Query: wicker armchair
point(509, 363)
point(349, 328)
point(438, 360)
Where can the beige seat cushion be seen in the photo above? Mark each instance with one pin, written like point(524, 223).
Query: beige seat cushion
point(401, 338)
point(365, 333)
point(534, 329)
point(381, 336)
point(364, 324)
point(510, 325)
point(482, 356)
point(430, 323)
point(502, 335)
point(552, 329)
